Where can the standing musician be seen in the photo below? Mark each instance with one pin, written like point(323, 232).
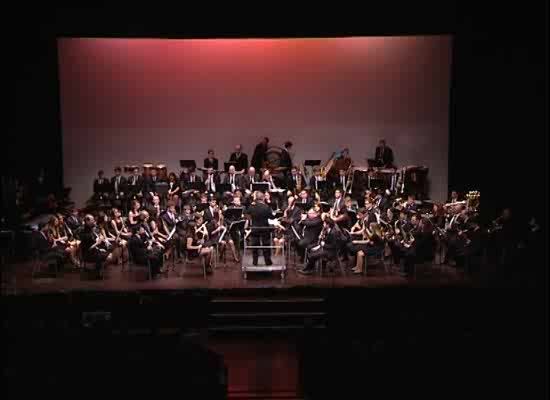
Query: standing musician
point(150, 186)
point(118, 187)
point(260, 154)
point(383, 155)
point(328, 244)
point(174, 189)
point(101, 186)
point(260, 214)
point(239, 158)
point(232, 178)
point(296, 181)
point(312, 225)
point(135, 185)
point(211, 162)
point(286, 158)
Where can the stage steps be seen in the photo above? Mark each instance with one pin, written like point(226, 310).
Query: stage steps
point(269, 313)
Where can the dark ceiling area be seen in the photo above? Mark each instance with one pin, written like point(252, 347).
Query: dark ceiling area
point(498, 105)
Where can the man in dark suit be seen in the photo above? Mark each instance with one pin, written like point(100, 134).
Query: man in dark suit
point(259, 155)
point(248, 180)
point(383, 155)
point(135, 184)
point(286, 158)
point(211, 180)
point(93, 246)
point(327, 248)
point(260, 213)
point(295, 179)
point(239, 158)
point(233, 179)
point(141, 249)
point(210, 212)
point(211, 161)
point(150, 186)
point(101, 186)
point(311, 229)
point(118, 188)
point(305, 200)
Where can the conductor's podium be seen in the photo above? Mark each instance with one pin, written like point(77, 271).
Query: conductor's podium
point(278, 262)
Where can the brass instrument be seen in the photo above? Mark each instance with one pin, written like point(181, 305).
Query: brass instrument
point(325, 169)
point(349, 179)
point(472, 200)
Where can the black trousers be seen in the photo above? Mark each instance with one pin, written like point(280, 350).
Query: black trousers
point(261, 239)
point(302, 245)
point(320, 254)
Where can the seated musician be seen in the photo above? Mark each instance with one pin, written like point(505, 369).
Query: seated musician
point(341, 180)
point(168, 222)
point(118, 187)
point(234, 235)
point(211, 180)
point(424, 239)
point(338, 211)
point(101, 186)
point(121, 233)
point(248, 180)
point(328, 244)
point(383, 155)
point(174, 189)
point(370, 243)
point(305, 199)
point(143, 250)
point(210, 212)
point(269, 201)
point(410, 205)
point(155, 209)
point(239, 158)
point(296, 181)
point(65, 230)
point(74, 222)
point(291, 216)
point(382, 200)
point(311, 225)
point(133, 214)
point(315, 179)
point(195, 239)
point(454, 198)
point(103, 229)
point(191, 178)
point(233, 179)
point(46, 251)
point(59, 240)
point(266, 177)
point(95, 247)
point(211, 162)
point(184, 177)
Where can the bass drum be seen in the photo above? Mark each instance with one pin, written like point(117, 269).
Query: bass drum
point(273, 160)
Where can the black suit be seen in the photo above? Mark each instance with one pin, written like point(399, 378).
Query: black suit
point(313, 228)
point(291, 182)
point(216, 180)
point(259, 156)
point(241, 161)
point(94, 255)
point(285, 161)
point(208, 215)
point(246, 182)
point(260, 213)
point(236, 182)
point(384, 156)
point(101, 186)
point(208, 163)
point(186, 181)
point(119, 187)
point(330, 249)
point(135, 184)
point(140, 254)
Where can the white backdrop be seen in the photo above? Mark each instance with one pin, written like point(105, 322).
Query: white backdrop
point(130, 101)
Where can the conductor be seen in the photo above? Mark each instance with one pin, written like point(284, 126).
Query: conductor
point(260, 213)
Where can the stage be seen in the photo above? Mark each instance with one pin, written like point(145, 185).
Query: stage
point(224, 277)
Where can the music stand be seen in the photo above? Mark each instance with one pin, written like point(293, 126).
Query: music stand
point(223, 187)
point(233, 213)
point(191, 164)
point(260, 187)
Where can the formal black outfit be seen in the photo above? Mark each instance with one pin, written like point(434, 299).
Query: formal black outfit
point(384, 156)
point(308, 203)
point(292, 181)
point(240, 160)
point(211, 163)
point(332, 243)
point(101, 186)
point(96, 255)
point(233, 179)
point(135, 185)
point(74, 223)
point(210, 214)
point(285, 161)
point(259, 156)
point(211, 182)
point(247, 181)
point(118, 190)
point(311, 229)
point(260, 214)
point(51, 255)
point(141, 255)
point(314, 183)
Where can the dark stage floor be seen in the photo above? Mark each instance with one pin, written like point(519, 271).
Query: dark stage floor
point(228, 276)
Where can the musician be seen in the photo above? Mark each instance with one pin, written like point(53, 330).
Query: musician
point(94, 248)
point(454, 198)
point(234, 233)
point(143, 252)
point(267, 178)
point(211, 180)
point(192, 177)
point(249, 179)
point(383, 200)
point(296, 181)
point(60, 240)
point(210, 212)
point(285, 162)
point(315, 179)
point(46, 251)
point(74, 222)
point(121, 233)
point(410, 205)
point(338, 211)
point(169, 218)
point(211, 162)
point(259, 214)
point(174, 189)
point(260, 153)
point(371, 243)
point(133, 214)
point(135, 184)
point(305, 199)
point(475, 244)
point(156, 209)
point(195, 239)
point(150, 185)
point(329, 243)
point(118, 187)
point(232, 178)
point(101, 186)
point(239, 158)
point(384, 155)
point(109, 244)
point(311, 224)
point(341, 181)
